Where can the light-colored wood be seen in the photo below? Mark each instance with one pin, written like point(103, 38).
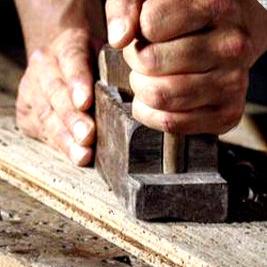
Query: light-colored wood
point(80, 194)
point(10, 261)
point(32, 234)
point(173, 153)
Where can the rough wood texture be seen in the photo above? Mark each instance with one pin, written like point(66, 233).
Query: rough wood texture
point(113, 69)
point(32, 234)
point(82, 195)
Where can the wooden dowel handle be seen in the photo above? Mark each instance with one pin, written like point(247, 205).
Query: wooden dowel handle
point(173, 153)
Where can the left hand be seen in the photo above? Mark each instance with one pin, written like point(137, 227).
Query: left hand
point(192, 74)
point(55, 94)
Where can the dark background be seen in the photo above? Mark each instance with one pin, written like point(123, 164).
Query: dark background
point(10, 31)
point(11, 39)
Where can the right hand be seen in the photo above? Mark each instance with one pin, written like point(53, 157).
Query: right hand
point(55, 92)
point(190, 68)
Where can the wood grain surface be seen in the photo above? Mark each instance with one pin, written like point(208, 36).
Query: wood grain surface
point(32, 234)
point(80, 194)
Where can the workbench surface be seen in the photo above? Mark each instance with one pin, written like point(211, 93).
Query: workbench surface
point(32, 234)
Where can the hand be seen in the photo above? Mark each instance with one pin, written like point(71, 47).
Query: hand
point(54, 94)
point(190, 74)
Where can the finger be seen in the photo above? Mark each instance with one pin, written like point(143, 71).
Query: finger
point(164, 20)
point(57, 135)
point(214, 120)
point(75, 61)
point(58, 94)
point(123, 21)
point(78, 123)
point(185, 92)
point(177, 92)
point(185, 55)
point(197, 53)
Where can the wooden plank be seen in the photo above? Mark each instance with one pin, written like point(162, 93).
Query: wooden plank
point(80, 194)
point(32, 234)
point(9, 261)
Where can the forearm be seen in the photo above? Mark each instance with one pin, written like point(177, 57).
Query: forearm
point(42, 21)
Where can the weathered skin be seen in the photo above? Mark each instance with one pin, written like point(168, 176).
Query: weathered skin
point(57, 88)
point(190, 75)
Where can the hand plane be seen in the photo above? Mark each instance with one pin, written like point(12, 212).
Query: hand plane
point(155, 175)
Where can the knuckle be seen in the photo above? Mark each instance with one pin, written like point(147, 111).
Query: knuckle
point(157, 98)
point(56, 84)
point(74, 43)
point(60, 134)
point(76, 36)
point(38, 55)
point(81, 36)
point(168, 124)
point(44, 113)
point(236, 45)
point(150, 60)
point(69, 117)
point(76, 33)
point(73, 50)
point(55, 89)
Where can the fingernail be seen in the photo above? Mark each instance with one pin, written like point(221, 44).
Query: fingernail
point(81, 131)
point(116, 31)
point(79, 155)
point(79, 95)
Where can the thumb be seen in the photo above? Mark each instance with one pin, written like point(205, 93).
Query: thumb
point(123, 21)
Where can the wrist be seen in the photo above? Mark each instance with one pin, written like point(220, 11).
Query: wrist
point(43, 21)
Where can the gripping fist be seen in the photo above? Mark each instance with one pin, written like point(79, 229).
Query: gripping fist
point(190, 59)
